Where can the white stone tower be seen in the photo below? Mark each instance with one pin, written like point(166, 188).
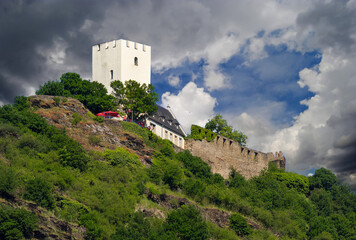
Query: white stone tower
point(121, 60)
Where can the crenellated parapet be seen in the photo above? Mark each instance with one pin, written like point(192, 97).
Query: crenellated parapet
point(222, 154)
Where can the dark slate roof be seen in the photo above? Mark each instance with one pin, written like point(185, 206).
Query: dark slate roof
point(165, 118)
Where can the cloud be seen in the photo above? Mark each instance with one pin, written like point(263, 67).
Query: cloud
point(174, 81)
point(324, 135)
point(192, 105)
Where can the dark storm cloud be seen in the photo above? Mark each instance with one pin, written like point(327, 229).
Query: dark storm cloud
point(345, 144)
point(334, 24)
point(30, 28)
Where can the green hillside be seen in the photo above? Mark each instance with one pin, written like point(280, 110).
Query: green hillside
point(52, 186)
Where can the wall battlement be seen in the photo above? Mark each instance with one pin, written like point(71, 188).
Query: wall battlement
point(222, 154)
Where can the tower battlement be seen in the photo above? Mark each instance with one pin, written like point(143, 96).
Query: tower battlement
point(129, 44)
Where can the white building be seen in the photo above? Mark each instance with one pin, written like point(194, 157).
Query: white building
point(121, 60)
point(164, 124)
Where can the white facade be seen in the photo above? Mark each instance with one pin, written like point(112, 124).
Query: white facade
point(165, 133)
point(121, 60)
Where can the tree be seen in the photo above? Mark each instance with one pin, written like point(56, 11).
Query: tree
point(138, 101)
point(219, 125)
point(323, 178)
point(92, 94)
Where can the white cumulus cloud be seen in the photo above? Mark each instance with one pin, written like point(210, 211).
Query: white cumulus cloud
point(192, 105)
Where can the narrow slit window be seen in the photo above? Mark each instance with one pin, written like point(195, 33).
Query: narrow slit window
point(112, 74)
point(136, 61)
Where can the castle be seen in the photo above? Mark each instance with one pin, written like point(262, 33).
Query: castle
point(124, 60)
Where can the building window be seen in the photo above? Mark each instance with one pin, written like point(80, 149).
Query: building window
point(112, 74)
point(136, 61)
point(166, 134)
point(171, 137)
point(175, 139)
point(180, 142)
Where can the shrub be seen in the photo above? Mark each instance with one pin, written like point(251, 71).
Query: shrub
point(16, 223)
point(221, 233)
point(90, 221)
point(98, 119)
point(194, 164)
point(135, 129)
point(239, 224)
point(76, 118)
point(94, 140)
point(40, 191)
point(74, 156)
point(187, 223)
point(8, 181)
point(30, 141)
point(167, 149)
point(236, 179)
point(9, 130)
point(121, 157)
point(194, 187)
point(57, 100)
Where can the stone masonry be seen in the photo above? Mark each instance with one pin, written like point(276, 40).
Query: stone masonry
point(222, 154)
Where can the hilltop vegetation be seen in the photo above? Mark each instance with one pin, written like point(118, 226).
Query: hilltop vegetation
point(114, 194)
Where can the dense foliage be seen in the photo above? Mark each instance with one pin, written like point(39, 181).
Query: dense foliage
point(199, 133)
point(16, 223)
point(219, 125)
point(92, 94)
point(138, 100)
point(103, 191)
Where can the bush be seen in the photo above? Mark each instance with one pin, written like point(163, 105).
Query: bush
point(139, 227)
point(30, 141)
point(167, 149)
point(194, 187)
point(194, 164)
point(98, 119)
point(91, 222)
point(16, 223)
point(40, 191)
point(94, 140)
point(74, 156)
point(8, 181)
point(187, 224)
point(239, 224)
point(135, 129)
point(9, 130)
point(236, 179)
point(121, 157)
point(76, 118)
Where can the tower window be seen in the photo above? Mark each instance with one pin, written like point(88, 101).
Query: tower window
point(136, 61)
point(112, 74)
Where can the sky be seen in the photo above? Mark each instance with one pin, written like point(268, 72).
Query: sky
point(283, 72)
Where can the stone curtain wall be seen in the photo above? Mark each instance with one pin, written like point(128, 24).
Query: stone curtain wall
point(223, 153)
